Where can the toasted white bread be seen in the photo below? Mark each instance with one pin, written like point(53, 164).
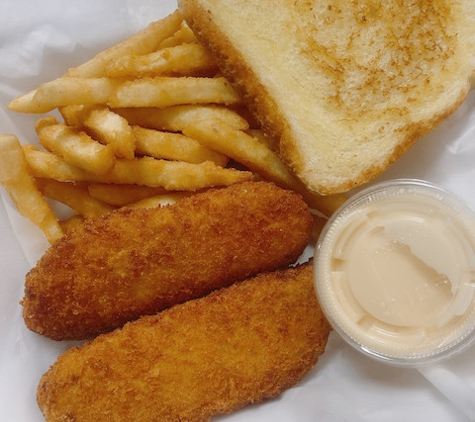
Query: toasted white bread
point(343, 88)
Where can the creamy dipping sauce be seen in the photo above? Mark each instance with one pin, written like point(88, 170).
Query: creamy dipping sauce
point(395, 272)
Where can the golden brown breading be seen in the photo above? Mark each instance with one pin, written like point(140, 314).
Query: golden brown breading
point(239, 345)
point(137, 262)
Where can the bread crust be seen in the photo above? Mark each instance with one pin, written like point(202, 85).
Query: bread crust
point(406, 130)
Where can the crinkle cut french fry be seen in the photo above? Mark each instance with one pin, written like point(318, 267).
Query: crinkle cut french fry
point(74, 114)
point(46, 165)
point(147, 171)
point(168, 91)
point(75, 197)
point(77, 148)
point(16, 179)
point(103, 125)
point(142, 42)
point(184, 59)
point(244, 149)
point(69, 90)
point(175, 146)
point(120, 195)
point(255, 155)
point(112, 129)
point(175, 175)
point(176, 118)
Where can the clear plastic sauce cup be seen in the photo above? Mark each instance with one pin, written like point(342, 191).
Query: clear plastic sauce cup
point(395, 276)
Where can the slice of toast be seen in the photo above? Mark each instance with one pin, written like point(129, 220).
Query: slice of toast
point(342, 88)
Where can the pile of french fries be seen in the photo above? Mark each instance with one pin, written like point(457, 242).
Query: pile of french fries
point(146, 122)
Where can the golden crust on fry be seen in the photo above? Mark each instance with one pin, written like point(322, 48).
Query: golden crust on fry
point(20, 185)
point(132, 263)
point(146, 171)
point(239, 345)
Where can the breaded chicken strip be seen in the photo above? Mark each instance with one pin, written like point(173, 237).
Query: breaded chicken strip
point(137, 262)
point(242, 344)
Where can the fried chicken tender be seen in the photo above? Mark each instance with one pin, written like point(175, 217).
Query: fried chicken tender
point(239, 345)
point(132, 263)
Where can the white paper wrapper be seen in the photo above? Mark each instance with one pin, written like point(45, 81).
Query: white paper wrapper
point(39, 41)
